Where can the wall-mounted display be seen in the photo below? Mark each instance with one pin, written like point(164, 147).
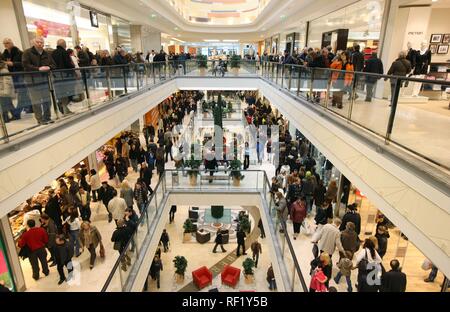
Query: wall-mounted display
point(433, 48)
point(442, 49)
point(436, 38)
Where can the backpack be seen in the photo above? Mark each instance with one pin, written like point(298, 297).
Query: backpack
point(362, 265)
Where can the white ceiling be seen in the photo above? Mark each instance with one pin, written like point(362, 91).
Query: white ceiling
point(277, 17)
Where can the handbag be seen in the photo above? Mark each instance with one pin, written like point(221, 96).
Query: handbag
point(24, 252)
point(362, 265)
point(102, 251)
point(117, 245)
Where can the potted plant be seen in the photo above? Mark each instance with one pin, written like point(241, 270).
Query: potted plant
point(248, 266)
point(189, 228)
point(202, 62)
point(245, 224)
point(235, 172)
point(235, 64)
point(180, 264)
point(193, 171)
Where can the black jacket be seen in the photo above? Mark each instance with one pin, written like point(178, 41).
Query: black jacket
point(218, 239)
point(62, 58)
point(122, 235)
point(373, 65)
point(351, 217)
point(106, 194)
point(358, 61)
point(393, 281)
point(14, 56)
point(83, 58)
point(63, 254)
point(53, 210)
point(240, 237)
point(400, 67)
point(32, 60)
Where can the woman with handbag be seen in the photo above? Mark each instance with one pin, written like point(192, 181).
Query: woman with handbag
point(90, 237)
point(368, 263)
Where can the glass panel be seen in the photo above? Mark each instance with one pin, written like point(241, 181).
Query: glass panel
point(68, 86)
point(320, 81)
point(97, 84)
point(421, 124)
point(159, 197)
point(341, 88)
point(370, 110)
point(115, 284)
point(117, 80)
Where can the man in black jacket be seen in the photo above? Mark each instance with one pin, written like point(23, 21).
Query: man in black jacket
point(394, 280)
point(64, 80)
point(105, 194)
point(241, 242)
point(37, 59)
point(120, 237)
point(13, 57)
point(373, 65)
point(53, 209)
point(351, 216)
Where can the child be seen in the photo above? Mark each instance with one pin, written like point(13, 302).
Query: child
point(345, 266)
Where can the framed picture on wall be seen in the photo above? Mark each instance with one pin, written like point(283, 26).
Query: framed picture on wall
point(433, 48)
point(442, 49)
point(436, 38)
point(446, 38)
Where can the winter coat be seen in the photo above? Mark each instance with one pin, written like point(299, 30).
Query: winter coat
point(63, 253)
point(51, 232)
point(400, 67)
point(351, 217)
point(16, 57)
point(6, 83)
point(116, 207)
point(393, 281)
point(62, 58)
point(329, 239)
point(298, 211)
point(127, 195)
point(282, 210)
point(122, 235)
point(349, 240)
point(96, 238)
point(32, 60)
point(345, 266)
point(348, 76)
point(373, 65)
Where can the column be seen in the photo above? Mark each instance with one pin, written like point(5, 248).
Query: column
point(14, 23)
point(74, 9)
point(92, 161)
point(151, 39)
point(136, 38)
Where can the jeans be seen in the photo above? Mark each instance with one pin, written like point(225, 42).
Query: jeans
point(74, 242)
point(369, 90)
point(246, 162)
point(256, 258)
point(6, 106)
point(85, 212)
point(60, 268)
point(221, 246)
point(309, 202)
point(171, 216)
point(91, 249)
point(272, 284)
point(41, 256)
point(433, 273)
point(94, 195)
point(348, 280)
point(239, 248)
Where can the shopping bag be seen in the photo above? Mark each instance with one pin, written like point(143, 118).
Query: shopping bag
point(102, 251)
point(427, 264)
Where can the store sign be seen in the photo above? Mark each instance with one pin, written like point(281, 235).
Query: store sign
point(94, 19)
point(45, 28)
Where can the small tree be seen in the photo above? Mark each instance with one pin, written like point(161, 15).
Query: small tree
point(180, 264)
point(235, 169)
point(202, 61)
point(188, 226)
point(235, 61)
point(248, 266)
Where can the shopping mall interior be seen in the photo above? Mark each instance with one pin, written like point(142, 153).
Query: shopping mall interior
point(225, 146)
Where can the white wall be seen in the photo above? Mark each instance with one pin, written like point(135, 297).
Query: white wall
point(439, 24)
point(150, 40)
point(9, 28)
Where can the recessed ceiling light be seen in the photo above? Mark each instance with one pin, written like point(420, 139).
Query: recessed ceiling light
point(176, 28)
point(178, 35)
point(211, 40)
point(282, 16)
point(153, 15)
point(230, 40)
point(434, 0)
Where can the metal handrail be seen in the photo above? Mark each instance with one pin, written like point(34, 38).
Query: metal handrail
point(125, 250)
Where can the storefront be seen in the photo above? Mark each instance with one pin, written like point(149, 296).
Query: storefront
point(361, 20)
point(53, 20)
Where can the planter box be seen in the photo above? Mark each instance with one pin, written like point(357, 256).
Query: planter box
point(179, 278)
point(193, 180)
point(187, 237)
point(235, 71)
point(249, 278)
point(202, 71)
point(236, 181)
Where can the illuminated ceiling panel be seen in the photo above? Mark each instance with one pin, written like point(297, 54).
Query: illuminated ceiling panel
point(219, 12)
